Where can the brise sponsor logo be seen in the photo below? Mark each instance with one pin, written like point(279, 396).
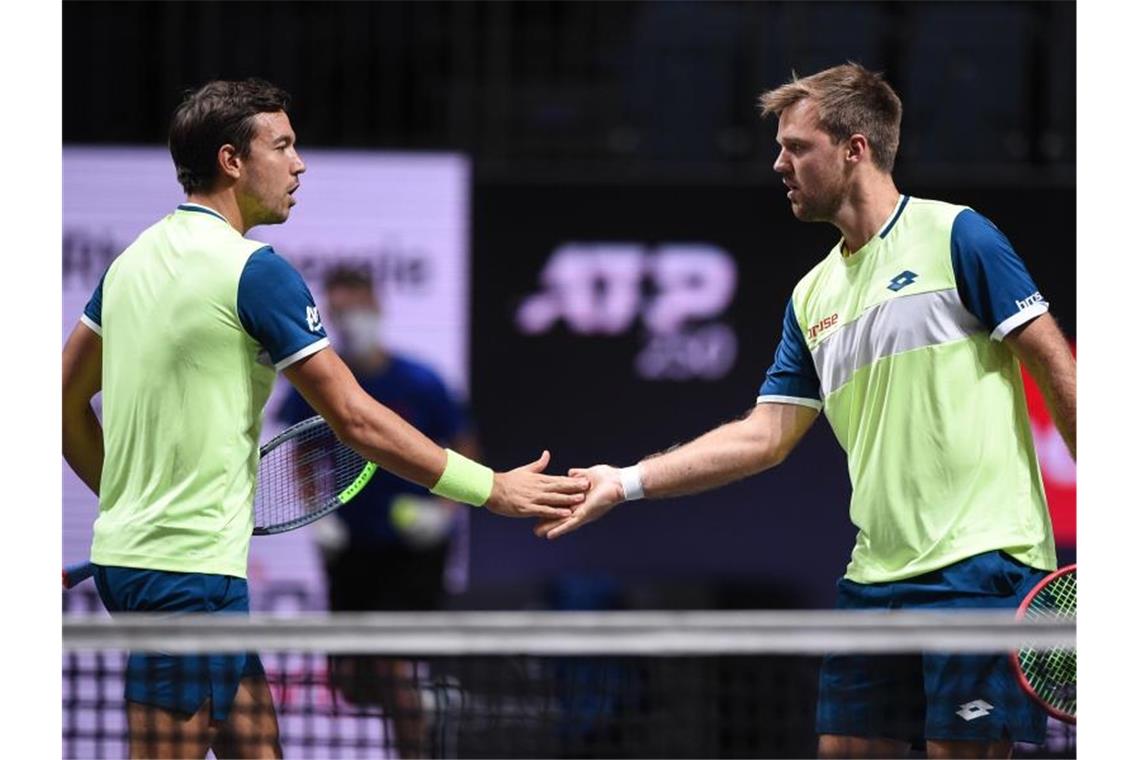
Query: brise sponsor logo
point(823, 324)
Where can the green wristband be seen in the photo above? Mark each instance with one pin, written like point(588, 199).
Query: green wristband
point(465, 480)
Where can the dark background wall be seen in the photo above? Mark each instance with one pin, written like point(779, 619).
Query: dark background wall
point(621, 87)
point(632, 123)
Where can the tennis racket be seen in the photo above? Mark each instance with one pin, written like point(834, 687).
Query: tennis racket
point(1049, 674)
point(304, 473)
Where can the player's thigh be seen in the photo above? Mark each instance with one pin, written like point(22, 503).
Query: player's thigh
point(833, 746)
point(871, 697)
point(975, 700)
point(251, 730)
point(159, 733)
point(997, 750)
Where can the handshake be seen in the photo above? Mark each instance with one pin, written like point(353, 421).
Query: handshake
point(561, 503)
point(759, 440)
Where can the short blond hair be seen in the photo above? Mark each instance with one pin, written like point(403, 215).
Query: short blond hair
point(850, 99)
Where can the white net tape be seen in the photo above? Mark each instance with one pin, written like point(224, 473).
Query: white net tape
point(570, 633)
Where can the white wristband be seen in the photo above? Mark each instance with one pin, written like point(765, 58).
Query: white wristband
point(631, 482)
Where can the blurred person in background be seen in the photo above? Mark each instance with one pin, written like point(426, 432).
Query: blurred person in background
point(183, 336)
point(908, 336)
point(388, 549)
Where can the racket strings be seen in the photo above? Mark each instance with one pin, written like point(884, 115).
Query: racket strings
point(1052, 672)
point(303, 477)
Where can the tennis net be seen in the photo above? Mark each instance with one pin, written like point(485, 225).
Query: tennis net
point(639, 684)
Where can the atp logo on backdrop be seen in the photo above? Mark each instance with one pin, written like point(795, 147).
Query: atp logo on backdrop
point(678, 292)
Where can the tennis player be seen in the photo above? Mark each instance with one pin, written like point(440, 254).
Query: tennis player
point(184, 336)
point(908, 336)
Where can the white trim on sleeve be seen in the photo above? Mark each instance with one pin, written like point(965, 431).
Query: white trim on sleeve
point(308, 350)
point(1018, 319)
point(95, 327)
point(797, 400)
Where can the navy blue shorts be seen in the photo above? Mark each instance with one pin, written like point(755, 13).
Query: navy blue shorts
point(933, 696)
point(180, 683)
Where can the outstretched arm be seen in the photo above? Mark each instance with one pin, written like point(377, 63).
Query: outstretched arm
point(1045, 353)
point(82, 379)
point(382, 436)
point(733, 451)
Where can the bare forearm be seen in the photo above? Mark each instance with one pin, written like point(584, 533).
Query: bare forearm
point(730, 452)
point(382, 436)
point(82, 379)
point(1057, 379)
point(723, 455)
point(1042, 348)
point(370, 428)
point(83, 445)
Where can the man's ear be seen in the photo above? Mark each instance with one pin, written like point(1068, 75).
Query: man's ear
point(229, 162)
point(858, 149)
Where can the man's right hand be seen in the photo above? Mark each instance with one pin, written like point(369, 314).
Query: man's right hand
point(526, 492)
point(606, 492)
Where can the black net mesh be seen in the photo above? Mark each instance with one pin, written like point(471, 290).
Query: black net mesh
point(480, 706)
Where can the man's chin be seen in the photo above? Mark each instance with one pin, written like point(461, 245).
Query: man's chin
point(277, 217)
point(805, 213)
point(270, 218)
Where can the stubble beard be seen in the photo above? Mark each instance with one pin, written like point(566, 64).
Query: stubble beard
point(821, 207)
point(267, 214)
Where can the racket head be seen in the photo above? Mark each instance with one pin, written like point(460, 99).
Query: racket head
point(1049, 675)
point(305, 473)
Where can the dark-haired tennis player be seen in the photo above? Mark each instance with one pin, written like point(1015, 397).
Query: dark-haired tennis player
point(907, 335)
point(184, 336)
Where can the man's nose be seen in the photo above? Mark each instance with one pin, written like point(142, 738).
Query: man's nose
point(781, 165)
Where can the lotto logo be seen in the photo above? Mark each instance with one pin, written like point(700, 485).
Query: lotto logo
point(979, 708)
point(901, 280)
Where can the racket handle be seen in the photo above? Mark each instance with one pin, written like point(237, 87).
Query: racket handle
point(76, 574)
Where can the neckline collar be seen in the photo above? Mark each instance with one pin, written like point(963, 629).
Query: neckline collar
point(855, 256)
point(202, 210)
point(894, 217)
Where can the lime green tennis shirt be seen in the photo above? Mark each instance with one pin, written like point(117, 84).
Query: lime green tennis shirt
point(195, 320)
point(900, 344)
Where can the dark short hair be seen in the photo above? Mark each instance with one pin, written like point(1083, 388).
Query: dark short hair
point(348, 276)
point(218, 113)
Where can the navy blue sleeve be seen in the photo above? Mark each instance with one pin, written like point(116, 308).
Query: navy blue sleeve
point(993, 282)
point(791, 378)
point(93, 311)
point(277, 309)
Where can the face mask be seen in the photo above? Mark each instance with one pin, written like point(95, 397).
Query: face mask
point(359, 332)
